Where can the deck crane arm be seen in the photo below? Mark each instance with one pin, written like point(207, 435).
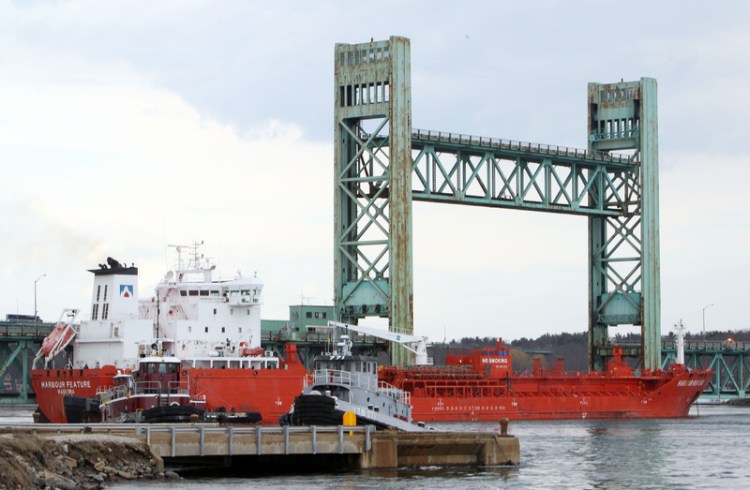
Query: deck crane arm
point(412, 343)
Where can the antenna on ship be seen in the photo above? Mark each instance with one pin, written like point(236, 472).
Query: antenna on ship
point(178, 249)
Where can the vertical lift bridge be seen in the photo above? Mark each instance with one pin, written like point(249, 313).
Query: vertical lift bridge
point(382, 164)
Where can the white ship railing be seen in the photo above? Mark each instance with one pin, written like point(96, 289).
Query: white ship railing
point(106, 394)
point(365, 381)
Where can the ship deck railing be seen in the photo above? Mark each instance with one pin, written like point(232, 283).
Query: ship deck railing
point(175, 388)
point(365, 381)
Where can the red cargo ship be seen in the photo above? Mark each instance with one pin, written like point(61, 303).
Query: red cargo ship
point(208, 330)
point(480, 385)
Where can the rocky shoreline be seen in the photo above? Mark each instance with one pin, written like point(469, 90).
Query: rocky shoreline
point(74, 461)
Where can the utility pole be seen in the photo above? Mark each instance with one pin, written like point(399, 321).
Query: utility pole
point(35, 309)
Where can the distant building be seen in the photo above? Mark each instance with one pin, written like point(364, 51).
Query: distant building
point(303, 320)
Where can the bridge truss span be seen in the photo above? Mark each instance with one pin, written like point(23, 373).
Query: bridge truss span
point(492, 172)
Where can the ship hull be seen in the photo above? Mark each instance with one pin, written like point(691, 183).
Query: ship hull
point(51, 386)
point(558, 397)
point(269, 392)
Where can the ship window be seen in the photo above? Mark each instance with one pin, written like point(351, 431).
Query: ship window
point(162, 369)
point(183, 292)
point(206, 329)
point(222, 329)
point(204, 293)
point(98, 292)
point(248, 312)
point(317, 314)
point(105, 292)
point(105, 309)
point(214, 292)
point(308, 314)
point(240, 329)
point(95, 311)
point(323, 315)
point(193, 292)
point(214, 311)
point(190, 328)
point(245, 292)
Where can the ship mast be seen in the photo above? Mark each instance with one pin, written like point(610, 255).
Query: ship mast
point(679, 328)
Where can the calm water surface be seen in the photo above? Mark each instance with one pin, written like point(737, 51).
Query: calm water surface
point(707, 450)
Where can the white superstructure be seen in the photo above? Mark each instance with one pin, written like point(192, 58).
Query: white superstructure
point(196, 316)
point(191, 316)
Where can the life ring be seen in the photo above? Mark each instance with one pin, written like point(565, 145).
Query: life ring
point(255, 372)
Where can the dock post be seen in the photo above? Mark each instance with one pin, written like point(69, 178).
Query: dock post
point(230, 433)
point(286, 439)
point(314, 431)
point(201, 431)
point(172, 440)
point(258, 441)
point(341, 439)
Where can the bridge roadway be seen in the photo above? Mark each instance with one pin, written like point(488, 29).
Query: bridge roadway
point(354, 447)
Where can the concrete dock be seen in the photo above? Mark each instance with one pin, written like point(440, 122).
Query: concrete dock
point(369, 448)
point(341, 447)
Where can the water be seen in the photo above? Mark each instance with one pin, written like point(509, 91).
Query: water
point(706, 450)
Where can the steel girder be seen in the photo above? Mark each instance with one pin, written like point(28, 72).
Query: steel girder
point(460, 169)
point(17, 355)
point(730, 362)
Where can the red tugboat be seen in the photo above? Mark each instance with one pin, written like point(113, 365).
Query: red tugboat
point(480, 385)
point(195, 344)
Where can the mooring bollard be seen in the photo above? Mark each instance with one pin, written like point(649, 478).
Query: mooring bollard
point(503, 426)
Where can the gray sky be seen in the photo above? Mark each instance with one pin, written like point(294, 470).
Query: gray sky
point(128, 125)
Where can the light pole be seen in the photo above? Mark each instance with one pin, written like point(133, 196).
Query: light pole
point(36, 281)
point(704, 319)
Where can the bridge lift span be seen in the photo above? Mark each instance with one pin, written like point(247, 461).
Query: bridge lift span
point(382, 165)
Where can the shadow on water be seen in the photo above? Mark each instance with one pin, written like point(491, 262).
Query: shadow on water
point(305, 465)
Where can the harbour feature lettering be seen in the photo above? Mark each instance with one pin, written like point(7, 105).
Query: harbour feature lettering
point(66, 384)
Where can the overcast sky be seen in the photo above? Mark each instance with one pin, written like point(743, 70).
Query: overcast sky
point(125, 126)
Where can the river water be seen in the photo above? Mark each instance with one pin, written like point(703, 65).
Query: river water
point(706, 450)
